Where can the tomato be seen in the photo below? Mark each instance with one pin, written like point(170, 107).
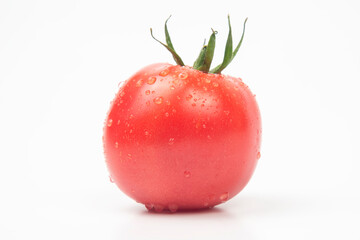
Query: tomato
point(179, 138)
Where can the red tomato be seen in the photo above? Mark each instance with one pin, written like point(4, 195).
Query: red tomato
point(179, 137)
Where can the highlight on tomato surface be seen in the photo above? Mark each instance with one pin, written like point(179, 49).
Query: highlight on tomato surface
point(180, 137)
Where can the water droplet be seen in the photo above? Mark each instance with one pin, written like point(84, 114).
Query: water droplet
point(183, 75)
point(149, 206)
point(147, 133)
point(173, 207)
point(131, 116)
point(187, 174)
point(204, 125)
point(148, 103)
point(166, 114)
point(189, 97)
point(171, 141)
point(158, 207)
point(164, 72)
point(207, 80)
point(130, 131)
point(224, 197)
point(178, 97)
point(139, 83)
point(116, 145)
point(167, 102)
point(152, 92)
point(172, 87)
point(215, 84)
point(147, 92)
point(174, 110)
point(227, 113)
point(158, 100)
point(209, 137)
point(205, 89)
point(122, 93)
point(109, 123)
point(111, 179)
point(121, 83)
point(258, 155)
point(206, 204)
point(151, 80)
point(129, 155)
point(118, 122)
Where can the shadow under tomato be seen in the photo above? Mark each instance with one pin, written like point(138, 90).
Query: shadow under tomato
point(203, 211)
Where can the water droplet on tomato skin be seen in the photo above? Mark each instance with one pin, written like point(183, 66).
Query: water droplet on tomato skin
point(183, 75)
point(139, 83)
point(147, 92)
point(120, 84)
point(147, 133)
point(158, 100)
point(173, 207)
point(151, 80)
point(116, 145)
point(158, 208)
point(171, 141)
point(109, 123)
point(149, 206)
point(189, 97)
point(258, 155)
point(224, 197)
point(187, 174)
point(111, 179)
point(166, 114)
point(215, 84)
point(164, 72)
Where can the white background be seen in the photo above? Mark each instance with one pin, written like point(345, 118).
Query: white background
point(60, 65)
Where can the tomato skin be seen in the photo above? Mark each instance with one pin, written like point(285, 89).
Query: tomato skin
point(177, 138)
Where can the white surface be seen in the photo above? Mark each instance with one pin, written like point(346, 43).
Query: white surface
point(61, 62)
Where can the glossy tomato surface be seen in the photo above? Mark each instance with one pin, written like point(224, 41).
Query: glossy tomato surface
point(178, 138)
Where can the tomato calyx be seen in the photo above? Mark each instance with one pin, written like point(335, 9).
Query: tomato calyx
point(204, 60)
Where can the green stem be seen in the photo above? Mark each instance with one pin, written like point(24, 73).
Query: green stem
point(203, 62)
